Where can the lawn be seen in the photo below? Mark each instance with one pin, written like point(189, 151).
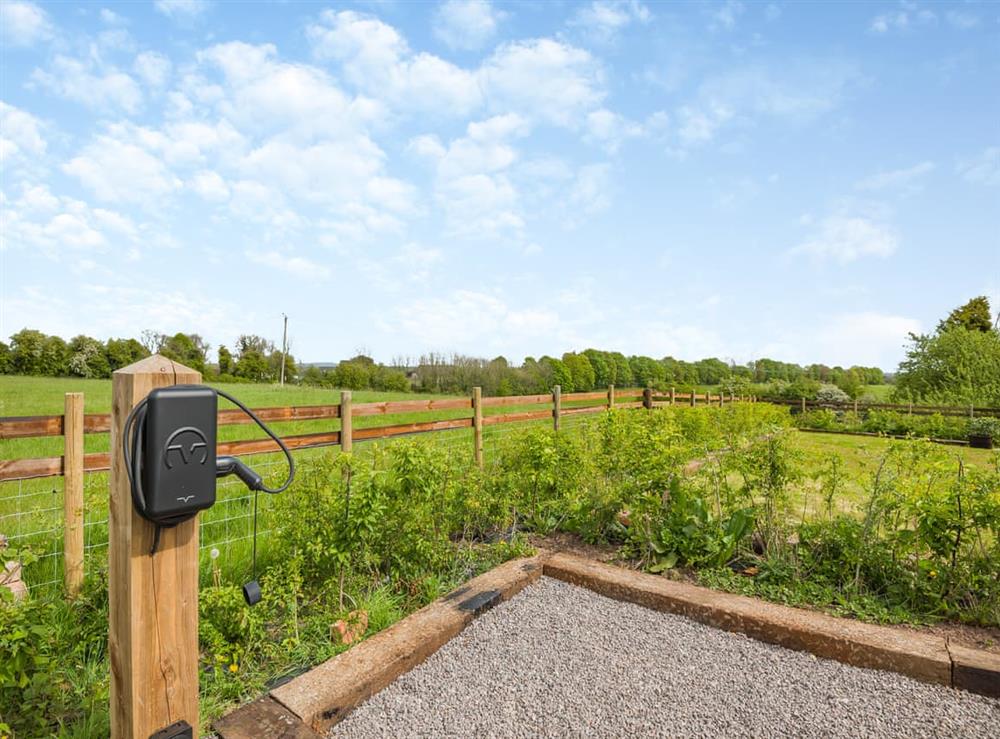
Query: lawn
point(860, 456)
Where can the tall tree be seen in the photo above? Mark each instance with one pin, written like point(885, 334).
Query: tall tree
point(974, 315)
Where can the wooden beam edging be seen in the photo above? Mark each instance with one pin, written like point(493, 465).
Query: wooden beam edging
point(923, 657)
point(325, 694)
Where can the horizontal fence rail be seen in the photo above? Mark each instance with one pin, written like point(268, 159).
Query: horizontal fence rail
point(968, 411)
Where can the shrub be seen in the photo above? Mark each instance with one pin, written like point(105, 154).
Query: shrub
point(831, 394)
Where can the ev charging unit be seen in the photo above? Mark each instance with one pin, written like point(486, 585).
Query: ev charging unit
point(168, 449)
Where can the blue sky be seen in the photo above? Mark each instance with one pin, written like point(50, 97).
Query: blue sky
point(803, 181)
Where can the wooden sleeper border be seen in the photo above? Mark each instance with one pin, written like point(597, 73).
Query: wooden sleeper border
point(318, 699)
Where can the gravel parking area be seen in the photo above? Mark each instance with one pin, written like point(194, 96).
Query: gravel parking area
point(558, 660)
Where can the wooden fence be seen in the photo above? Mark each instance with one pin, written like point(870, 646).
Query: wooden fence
point(73, 425)
point(858, 406)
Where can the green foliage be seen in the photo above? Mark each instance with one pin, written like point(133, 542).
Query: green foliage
point(188, 349)
point(959, 363)
point(973, 316)
point(985, 426)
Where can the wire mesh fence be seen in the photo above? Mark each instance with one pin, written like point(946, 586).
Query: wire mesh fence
point(32, 515)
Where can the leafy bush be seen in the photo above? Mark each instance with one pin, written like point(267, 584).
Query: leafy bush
point(985, 426)
point(831, 394)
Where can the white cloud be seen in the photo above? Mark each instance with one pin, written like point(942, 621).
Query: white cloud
point(376, 58)
point(875, 339)
point(83, 82)
point(471, 180)
point(544, 79)
point(39, 220)
point(590, 192)
point(300, 267)
point(112, 18)
point(845, 238)
point(181, 9)
point(446, 321)
point(466, 24)
point(20, 136)
point(120, 170)
point(611, 129)
point(908, 16)
point(725, 16)
point(23, 24)
point(897, 179)
point(152, 68)
point(984, 169)
point(210, 186)
point(960, 20)
point(603, 20)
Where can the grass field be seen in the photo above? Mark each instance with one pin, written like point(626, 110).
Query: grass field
point(860, 456)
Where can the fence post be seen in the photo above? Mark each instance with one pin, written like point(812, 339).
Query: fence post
point(910, 411)
point(346, 422)
point(153, 600)
point(611, 397)
point(73, 493)
point(803, 405)
point(556, 405)
point(722, 397)
point(972, 410)
point(694, 398)
point(673, 395)
point(647, 397)
point(477, 424)
point(855, 406)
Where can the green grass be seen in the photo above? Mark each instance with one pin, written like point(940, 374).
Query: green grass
point(860, 456)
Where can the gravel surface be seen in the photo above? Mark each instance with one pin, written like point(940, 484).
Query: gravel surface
point(559, 660)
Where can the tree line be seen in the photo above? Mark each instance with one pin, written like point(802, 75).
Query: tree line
point(958, 363)
point(31, 352)
point(255, 359)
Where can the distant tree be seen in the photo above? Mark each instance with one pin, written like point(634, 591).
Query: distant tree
point(580, 369)
point(646, 371)
point(352, 375)
point(152, 340)
point(712, 371)
point(974, 316)
point(6, 359)
point(27, 348)
point(123, 352)
point(622, 376)
point(252, 353)
point(603, 366)
point(956, 365)
point(560, 373)
point(87, 358)
point(187, 349)
point(226, 366)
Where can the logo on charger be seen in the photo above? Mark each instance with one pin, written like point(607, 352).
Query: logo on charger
point(185, 443)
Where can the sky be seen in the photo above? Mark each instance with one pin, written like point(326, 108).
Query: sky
point(804, 181)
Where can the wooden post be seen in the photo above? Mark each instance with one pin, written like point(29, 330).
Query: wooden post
point(694, 398)
point(477, 424)
point(673, 395)
point(73, 493)
point(346, 422)
point(556, 406)
point(611, 397)
point(972, 410)
point(153, 600)
point(803, 405)
point(910, 411)
point(855, 406)
point(647, 397)
point(722, 397)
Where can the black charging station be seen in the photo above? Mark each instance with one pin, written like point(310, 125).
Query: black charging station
point(169, 445)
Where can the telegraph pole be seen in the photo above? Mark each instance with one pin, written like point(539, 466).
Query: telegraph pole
point(284, 348)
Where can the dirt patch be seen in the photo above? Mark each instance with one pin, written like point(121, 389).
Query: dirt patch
point(986, 638)
point(573, 544)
